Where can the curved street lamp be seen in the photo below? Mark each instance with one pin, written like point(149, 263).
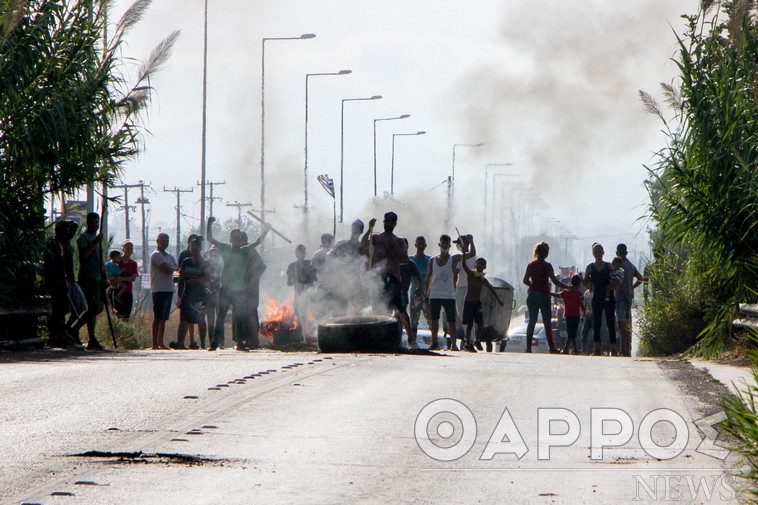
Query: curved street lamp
point(404, 116)
point(392, 173)
point(342, 146)
point(304, 36)
point(305, 169)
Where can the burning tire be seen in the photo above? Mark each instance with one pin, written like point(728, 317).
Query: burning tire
point(360, 334)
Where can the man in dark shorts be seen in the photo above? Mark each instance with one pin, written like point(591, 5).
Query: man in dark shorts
point(472, 304)
point(193, 275)
point(440, 290)
point(235, 288)
point(90, 277)
point(387, 252)
point(162, 268)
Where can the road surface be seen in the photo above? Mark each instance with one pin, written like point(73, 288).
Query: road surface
point(192, 427)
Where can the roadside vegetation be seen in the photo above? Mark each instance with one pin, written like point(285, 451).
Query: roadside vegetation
point(704, 201)
point(69, 116)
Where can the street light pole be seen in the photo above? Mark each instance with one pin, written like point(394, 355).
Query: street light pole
point(486, 176)
point(305, 170)
point(404, 116)
point(494, 182)
point(203, 127)
point(342, 148)
point(263, 112)
point(451, 185)
point(392, 172)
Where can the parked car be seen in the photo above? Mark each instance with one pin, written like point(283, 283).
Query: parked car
point(516, 338)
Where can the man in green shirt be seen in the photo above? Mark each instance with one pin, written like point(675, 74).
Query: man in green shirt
point(233, 292)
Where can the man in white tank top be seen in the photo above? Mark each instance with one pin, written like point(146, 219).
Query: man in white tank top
point(440, 289)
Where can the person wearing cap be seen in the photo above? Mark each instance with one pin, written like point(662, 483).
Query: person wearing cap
point(386, 252)
point(624, 294)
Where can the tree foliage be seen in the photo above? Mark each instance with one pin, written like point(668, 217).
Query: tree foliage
point(69, 116)
point(704, 186)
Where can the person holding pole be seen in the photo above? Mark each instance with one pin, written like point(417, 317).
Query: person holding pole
point(90, 278)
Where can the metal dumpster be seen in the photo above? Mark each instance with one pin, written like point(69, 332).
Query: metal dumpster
point(497, 318)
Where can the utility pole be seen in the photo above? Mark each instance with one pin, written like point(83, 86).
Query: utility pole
point(142, 201)
point(449, 206)
point(178, 213)
point(239, 211)
point(126, 207)
point(210, 198)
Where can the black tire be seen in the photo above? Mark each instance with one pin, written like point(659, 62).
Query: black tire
point(360, 334)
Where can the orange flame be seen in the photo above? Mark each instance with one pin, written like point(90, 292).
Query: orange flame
point(277, 316)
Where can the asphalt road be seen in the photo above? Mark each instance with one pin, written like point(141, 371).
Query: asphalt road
point(177, 427)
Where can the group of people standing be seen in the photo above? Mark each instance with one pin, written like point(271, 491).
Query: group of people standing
point(226, 277)
point(409, 285)
point(610, 289)
point(84, 297)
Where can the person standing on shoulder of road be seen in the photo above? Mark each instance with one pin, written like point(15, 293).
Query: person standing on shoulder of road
point(598, 278)
point(538, 275)
point(162, 268)
point(91, 278)
point(214, 262)
point(129, 273)
point(193, 277)
point(624, 296)
point(58, 263)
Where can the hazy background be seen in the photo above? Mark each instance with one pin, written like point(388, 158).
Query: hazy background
point(551, 87)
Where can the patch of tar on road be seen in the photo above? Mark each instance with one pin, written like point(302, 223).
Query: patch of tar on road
point(162, 458)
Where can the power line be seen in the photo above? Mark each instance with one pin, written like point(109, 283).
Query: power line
point(239, 210)
point(178, 213)
point(126, 206)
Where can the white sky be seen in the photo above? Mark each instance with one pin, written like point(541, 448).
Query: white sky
point(551, 87)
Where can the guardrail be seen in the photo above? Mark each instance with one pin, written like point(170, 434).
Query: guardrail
point(748, 316)
point(19, 325)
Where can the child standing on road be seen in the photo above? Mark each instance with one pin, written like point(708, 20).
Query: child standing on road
point(587, 325)
point(472, 304)
point(573, 302)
